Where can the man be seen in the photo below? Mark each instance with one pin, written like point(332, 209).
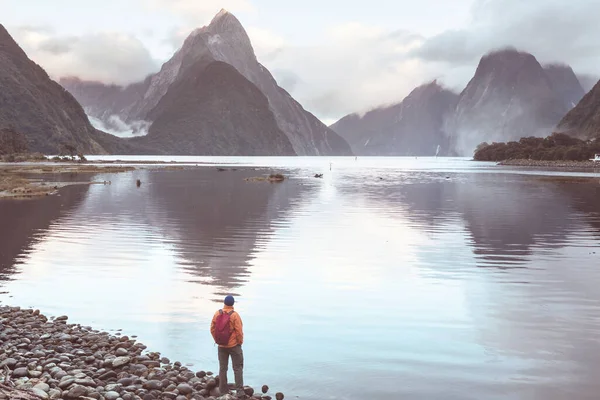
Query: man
point(227, 331)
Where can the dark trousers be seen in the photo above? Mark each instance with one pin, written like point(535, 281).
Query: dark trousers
point(237, 361)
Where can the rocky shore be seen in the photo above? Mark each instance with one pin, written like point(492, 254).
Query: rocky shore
point(20, 181)
point(45, 359)
point(552, 164)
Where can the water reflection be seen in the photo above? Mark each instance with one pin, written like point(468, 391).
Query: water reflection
point(369, 272)
point(507, 217)
point(215, 220)
point(24, 223)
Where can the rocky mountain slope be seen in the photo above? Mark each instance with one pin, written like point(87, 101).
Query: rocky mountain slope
point(213, 110)
point(510, 96)
point(38, 108)
point(225, 40)
point(565, 83)
point(583, 121)
point(412, 127)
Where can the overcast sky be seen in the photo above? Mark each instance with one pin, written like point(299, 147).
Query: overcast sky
point(334, 56)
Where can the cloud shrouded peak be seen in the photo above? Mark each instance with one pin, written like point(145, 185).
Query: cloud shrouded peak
point(108, 57)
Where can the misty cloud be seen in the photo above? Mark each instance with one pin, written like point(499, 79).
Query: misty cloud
point(355, 68)
point(116, 126)
point(107, 57)
point(552, 30)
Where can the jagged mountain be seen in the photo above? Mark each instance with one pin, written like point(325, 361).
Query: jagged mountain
point(40, 109)
point(510, 96)
point(213, 110)
point(225, 40)
point(412, 127)
point(565, 83)
point(583, 121)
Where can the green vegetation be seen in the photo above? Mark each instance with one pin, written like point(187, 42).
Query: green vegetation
point(556, 147)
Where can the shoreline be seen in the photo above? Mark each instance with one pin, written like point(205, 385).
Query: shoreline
point(49, 359)
point(18, 181)
point(560, 164)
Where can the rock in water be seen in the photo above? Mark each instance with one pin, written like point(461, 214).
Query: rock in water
point(279, 396)
point(265, 388)
point(87, 367)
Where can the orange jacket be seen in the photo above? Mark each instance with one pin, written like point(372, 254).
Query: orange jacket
point(236, 326)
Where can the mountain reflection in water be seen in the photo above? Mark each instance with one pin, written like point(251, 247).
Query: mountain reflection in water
point(378, 281)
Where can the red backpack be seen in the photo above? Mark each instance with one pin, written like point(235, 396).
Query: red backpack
point(223, 328)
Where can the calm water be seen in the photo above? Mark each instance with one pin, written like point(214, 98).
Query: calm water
point(388, 278)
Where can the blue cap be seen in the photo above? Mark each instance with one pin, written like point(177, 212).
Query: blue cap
point(229, 300)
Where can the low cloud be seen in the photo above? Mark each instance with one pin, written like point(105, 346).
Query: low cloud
point(116, 126)
point(107, 57)
point(550, 29)
point(355, 68)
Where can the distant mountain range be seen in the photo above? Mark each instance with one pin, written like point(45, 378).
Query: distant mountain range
point(411, 127)
point(214, 98)
point(510, 96)
point(232, 121)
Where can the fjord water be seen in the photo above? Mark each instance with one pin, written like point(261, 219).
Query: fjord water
point(388, 278)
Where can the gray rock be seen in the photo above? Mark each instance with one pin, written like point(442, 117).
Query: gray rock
point(108, 375)
point(35, 374)
point(121, 352)
point(65, 383)
point(54, 394)
point(9, 362)
point(76, 391)
point(153, 385)
point(43, 386)
point(121, 361)
point(184, 389)
point(60, 374)
point(126, 381)
point(20, 372)
point(111, 395)
point(87, 381)
point(39, 393)
point(113, 387)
